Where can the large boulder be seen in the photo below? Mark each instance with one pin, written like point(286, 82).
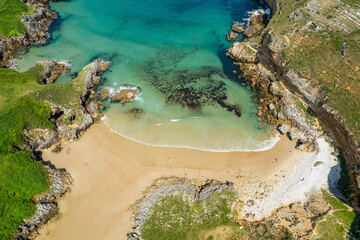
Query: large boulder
point(125, 95)
point(231, 35)
point(237, 28)
point(283, 129)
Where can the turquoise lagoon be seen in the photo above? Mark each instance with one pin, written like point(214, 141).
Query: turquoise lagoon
point(175, 51)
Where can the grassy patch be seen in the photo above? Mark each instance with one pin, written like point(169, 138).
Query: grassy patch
point(20, 179)
point(10, 15)
point(340, 223)
point(178, 217)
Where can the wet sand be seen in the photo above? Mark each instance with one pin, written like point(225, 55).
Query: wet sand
point(110, 172)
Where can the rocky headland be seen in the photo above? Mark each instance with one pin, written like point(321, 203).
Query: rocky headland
point(283, 88)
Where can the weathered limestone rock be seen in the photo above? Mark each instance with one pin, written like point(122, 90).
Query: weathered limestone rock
point(37, 25)
point(231, 35)
point(283, 129)
point(257, 24)
point(237, 28)
point(125, 95)
point(292, 135)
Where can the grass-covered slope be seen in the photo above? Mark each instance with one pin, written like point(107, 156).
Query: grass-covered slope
point(323, 39)
point(20, 176)
point(23, 106)
point(10, 17)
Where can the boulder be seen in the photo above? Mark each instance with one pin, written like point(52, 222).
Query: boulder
point(104, 94)
point(237, 28)
point(249, 32)
point(292, 135)
point(125, 95)
point(283, 129)
point(231, 35)
point(271, 106)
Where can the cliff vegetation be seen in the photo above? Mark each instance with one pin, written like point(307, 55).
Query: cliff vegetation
point(10, 17)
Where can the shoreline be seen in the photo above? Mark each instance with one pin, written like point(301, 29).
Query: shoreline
point(108, 179)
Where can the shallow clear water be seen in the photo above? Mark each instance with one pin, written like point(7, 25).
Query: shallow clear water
point(175, 52)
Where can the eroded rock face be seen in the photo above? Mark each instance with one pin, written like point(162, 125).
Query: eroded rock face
point(52, 70)
point(264, 64)
point(257, 24)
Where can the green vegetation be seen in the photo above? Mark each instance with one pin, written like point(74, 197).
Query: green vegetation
point(179, 217)
point(10, 17)
point(20, 179)
point(20, 176)
point(340, 223)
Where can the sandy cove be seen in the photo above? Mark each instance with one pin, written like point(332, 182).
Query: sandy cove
point(110, 172)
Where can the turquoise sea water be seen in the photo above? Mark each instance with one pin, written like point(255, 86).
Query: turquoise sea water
point(175, 52)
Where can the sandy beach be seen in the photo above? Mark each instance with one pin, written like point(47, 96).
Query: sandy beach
point(110, 172)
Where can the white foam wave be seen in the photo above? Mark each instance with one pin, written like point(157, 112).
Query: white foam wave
point(175, 120)
point(262, 146)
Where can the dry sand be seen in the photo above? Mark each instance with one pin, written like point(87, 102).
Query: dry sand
point(110, 172)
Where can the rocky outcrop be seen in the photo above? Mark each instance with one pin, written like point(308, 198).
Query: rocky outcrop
point(52, 70)
point(37, 25)
point(237, 28)
point(46, 204)
point(231, 35)
point(124, 95)
point(256, 25)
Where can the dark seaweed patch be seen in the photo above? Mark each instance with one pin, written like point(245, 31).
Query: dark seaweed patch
point(193, 88)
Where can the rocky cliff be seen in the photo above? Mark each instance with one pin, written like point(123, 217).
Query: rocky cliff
point(264, 62)
point(36, 27)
